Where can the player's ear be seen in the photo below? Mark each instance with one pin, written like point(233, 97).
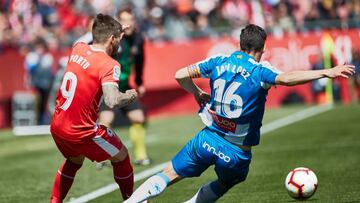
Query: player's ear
point(112, 38)
point(121, 35)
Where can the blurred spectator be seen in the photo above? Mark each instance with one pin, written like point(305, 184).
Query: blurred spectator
point(318, 86)
point(356, 62)
point(202, 27)
point(51, 102)
point(153, 25)
point(284, 20)
point(5, 32)
point(311, 18)
point(61, 22)
point(176, 26)
point(38, 63)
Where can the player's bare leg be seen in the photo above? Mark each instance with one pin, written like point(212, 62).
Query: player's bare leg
point(137, 133)
point(154, 185)
point(123, 172)
point(65, 177)
point(106, 118)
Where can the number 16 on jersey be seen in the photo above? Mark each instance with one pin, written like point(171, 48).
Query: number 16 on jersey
point(226, 101)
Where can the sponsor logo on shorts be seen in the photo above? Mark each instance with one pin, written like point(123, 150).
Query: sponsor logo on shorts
point(109, 132)
point(216, 153)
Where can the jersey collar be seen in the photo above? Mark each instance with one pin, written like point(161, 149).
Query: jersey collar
point(96, 49)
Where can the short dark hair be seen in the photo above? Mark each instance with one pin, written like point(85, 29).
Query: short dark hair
point(104, 26)
point(125, 9)
point(252, 38)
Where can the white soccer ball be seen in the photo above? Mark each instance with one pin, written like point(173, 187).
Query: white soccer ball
point(301, 183)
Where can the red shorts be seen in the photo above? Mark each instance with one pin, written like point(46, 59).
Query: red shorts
point(102, 146)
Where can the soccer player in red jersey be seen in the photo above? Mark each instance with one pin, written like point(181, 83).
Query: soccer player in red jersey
point(90, 74)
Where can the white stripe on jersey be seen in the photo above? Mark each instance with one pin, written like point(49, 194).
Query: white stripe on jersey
point(265, 64)
point(268, 65)
point(110, 83)
point(105, 145)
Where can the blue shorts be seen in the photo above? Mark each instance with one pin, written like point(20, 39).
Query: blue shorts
point(208, 148)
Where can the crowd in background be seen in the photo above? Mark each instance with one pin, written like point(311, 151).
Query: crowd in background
point(60, 22)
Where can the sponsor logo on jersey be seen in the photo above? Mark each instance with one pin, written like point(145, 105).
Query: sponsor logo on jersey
point(116, 72)
point(223, 123)
point(219, 154)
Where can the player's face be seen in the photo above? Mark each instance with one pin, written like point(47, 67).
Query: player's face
point(126, 18)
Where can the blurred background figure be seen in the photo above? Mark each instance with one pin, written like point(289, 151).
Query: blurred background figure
point(318, 86)
point(131, 57)
point(38, 64)
point(356, 62)
point(51, 102)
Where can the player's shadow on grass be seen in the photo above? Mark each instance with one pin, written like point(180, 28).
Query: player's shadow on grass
point(308, 200)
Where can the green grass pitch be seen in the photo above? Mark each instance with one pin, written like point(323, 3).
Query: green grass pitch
point(328, 143)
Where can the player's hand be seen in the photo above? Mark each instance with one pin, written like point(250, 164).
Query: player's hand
point(141, 91)
point(202, 98)
point(132, 95)
point(344, 71)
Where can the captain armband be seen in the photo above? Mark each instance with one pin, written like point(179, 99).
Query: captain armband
point(193, 71)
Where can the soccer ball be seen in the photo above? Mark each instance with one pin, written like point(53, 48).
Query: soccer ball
point(301, 183)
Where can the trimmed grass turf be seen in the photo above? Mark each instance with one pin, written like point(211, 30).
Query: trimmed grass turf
point(328, 143)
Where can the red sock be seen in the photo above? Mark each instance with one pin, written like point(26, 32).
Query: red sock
point(124, 177)
point(63, 181)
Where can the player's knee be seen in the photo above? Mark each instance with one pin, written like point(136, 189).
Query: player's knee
point(137, 117)
point(170, 173)
point(77, 160)
point(137, 120)
point(227, 185)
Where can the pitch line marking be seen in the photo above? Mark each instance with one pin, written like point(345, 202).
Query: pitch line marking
point(279, 123)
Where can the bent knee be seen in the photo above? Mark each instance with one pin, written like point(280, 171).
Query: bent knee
point(137, 116)
point(170, 173)
point(77, 160)
point(229, 184)
point(137, 120)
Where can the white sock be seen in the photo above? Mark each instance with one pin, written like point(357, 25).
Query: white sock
point(150, 188)
point(204, 195)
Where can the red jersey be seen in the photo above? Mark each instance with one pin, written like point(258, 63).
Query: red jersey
point(78, 99)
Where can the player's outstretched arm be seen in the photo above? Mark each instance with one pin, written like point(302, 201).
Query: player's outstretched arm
point(184, 79)
point(301, 77)
point(113, 98)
